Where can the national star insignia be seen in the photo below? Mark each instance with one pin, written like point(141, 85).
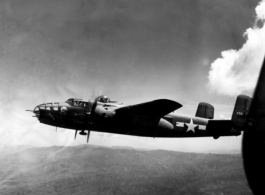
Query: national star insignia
point(190, 126)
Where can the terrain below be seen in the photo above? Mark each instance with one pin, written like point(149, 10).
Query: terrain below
point(89, 169)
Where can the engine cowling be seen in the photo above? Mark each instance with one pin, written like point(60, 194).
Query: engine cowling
point(100, 108)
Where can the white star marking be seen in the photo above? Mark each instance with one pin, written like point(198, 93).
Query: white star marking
point(191, 126)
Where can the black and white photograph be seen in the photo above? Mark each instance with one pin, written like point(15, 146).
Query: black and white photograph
point(132, 97)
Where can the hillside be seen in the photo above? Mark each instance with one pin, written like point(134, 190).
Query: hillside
point(97, 170)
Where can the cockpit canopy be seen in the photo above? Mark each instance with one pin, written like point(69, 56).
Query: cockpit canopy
point(75, 102)
point(103, 99)
point(81, 103)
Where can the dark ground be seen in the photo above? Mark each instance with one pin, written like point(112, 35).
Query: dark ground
point(97, 170)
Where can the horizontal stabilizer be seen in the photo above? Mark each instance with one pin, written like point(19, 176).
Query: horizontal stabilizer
point(221, 128)
point(156, 108)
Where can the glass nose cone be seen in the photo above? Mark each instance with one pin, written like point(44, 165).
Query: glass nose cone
point(36, 111)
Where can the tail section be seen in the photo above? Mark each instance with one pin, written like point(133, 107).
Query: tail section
point(205, 110)
point(240, 112)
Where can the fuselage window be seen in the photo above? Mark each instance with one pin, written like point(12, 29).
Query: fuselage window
point(78, 103)
point(55, 108)
point(48, 108)
point(69, 101)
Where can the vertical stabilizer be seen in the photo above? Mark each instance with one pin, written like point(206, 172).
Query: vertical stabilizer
point(240, 112)
point(205, 110)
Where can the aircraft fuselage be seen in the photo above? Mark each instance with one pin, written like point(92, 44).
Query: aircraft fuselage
point(104, 119)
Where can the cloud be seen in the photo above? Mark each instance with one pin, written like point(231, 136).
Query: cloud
point(237, 71)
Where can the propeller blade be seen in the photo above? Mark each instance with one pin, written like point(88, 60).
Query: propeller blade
point(75, 133)
point(89, 107)
point(88, 133)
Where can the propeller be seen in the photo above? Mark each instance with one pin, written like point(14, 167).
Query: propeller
point(88, 119)
point(89, 111)
point(75, 133)
point(88, 133)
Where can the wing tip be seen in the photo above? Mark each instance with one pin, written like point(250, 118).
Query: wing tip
point(169, 103)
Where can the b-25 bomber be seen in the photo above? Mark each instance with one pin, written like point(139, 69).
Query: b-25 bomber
point(149, 119)
point(155, 119)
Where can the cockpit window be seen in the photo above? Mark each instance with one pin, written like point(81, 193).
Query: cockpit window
point(42, 106)
point(49, 104)
point(69, 100)
point(55, 106)
point(75, 102)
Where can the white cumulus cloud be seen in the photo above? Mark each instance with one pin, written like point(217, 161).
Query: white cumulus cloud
point(237, 71)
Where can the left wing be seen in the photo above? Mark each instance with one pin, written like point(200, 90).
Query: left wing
point(156, 108)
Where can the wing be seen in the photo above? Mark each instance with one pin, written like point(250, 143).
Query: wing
point(156, 108)
point(253, 145)
point(256, 116)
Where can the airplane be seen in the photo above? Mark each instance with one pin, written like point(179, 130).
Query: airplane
point(155, 119)
point(150, 119)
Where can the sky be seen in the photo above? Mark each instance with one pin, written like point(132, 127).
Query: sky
point(132, 51)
